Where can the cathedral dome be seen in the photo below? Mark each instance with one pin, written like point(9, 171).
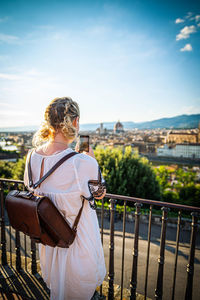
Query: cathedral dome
point(118, 127)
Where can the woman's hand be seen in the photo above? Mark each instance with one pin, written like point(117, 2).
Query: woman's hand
point(90, 153)
point(102, 196)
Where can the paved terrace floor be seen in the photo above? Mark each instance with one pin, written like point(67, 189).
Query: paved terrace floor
point(154, 254)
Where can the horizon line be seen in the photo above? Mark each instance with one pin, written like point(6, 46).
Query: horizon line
point(95, 123)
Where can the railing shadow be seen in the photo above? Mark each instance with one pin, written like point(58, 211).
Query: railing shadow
point(155, 235)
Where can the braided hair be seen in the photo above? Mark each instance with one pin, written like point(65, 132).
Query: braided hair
point(59, 115)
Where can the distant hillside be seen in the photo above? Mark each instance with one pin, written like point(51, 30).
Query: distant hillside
point(179, 122)
point(183, 121)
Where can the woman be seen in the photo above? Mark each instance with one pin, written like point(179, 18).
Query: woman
point(71, 273)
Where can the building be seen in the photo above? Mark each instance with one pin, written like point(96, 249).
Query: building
point(180, 150)
point(188, 136)
point(118, 127)
point(101, 130)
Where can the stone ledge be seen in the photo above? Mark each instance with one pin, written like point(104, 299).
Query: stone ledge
point(117, 293)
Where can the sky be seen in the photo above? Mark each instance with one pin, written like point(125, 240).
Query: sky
point(120, 60)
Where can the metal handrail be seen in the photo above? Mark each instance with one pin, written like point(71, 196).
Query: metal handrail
point(153, 202)
point(133, 199)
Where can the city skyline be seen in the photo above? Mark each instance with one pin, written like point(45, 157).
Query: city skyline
point(128, 60)
point(178, 122)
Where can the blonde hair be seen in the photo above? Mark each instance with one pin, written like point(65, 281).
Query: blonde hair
point(59, 115)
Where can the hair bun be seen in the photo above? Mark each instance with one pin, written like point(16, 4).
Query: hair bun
point(59, 115)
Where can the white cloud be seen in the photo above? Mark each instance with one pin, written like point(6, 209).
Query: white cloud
point(10, 39)
point(10, 76)
point(189, 15)
point(187, 47)
point(197, 18)
point(179, 20)
point(185, 32)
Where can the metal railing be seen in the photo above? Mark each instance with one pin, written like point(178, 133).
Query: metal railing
point(7, 249)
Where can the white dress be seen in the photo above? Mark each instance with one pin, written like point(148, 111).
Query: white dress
point(71, 273)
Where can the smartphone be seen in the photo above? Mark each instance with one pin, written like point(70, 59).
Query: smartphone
point(84, 143)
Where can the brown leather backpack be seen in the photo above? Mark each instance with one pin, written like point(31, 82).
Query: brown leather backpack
point(38, 217)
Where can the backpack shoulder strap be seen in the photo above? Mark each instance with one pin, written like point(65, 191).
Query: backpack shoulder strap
point(30, 180)
point(79, 215)
point(60, 162)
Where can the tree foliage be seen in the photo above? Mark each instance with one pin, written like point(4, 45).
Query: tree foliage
point(18, 170)
point(6, 169)
point(127, 174)
point(14, 170)
point(163, 177)
point(190, 194)
point(178, 185)
point(170, 196)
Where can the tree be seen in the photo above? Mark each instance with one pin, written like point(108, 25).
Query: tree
point(190, 194)
point(185, 177)
point(18, 169)
point(127, 174)
point(163, 177)
point(170, 196)
point(13, 170)
point(6, 168)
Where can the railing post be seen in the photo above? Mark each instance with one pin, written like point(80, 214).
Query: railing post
point(17, 243)
point(148, 252)
point(123, 250)
point(190, 265)
point(33, 258)
point(102, 219)
point(111, 254)
point(3, 233)
point(176, 253)
point(17, 248)
point(133, 281)
point(159, 286)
